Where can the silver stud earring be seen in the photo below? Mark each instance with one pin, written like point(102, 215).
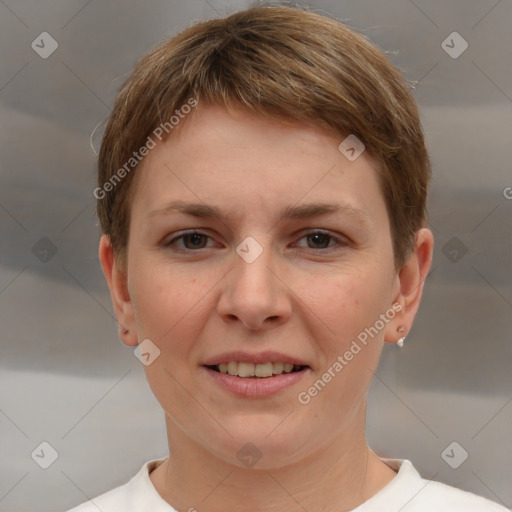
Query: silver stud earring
point(400, 342)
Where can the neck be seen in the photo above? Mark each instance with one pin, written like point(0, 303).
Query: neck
point(337, 477)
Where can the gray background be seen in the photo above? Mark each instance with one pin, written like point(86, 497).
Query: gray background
point(65, 377)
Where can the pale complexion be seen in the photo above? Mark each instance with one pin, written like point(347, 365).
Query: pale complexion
point(305, 296)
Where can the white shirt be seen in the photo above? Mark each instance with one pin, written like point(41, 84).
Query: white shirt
point(407, 492)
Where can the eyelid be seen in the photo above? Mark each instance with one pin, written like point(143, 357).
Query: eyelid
point(338, 238)
point(179, 235)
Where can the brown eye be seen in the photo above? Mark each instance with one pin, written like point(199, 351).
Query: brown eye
point(319, 239)
point(323, 241)
point(191, 241)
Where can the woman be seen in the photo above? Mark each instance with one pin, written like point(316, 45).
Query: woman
point(262, 195)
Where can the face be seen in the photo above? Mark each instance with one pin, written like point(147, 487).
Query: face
point(301, 287)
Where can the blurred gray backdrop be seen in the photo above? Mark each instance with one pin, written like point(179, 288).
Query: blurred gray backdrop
point(69, 383)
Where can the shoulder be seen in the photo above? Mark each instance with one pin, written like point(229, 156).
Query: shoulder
point(110, 501)
point(133, 496)
point(416, 494)
point(444, 497)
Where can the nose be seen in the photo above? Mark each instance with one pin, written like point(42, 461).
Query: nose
point(255, 293)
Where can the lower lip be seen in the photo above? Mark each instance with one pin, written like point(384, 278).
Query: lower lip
point(255, 387)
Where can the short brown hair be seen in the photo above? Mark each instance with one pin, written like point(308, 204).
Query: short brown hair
point(284, 63)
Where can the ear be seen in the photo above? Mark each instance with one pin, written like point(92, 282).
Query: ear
point(410, 281)
point(118, 285)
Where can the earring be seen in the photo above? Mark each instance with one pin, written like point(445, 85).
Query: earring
point(400, 342)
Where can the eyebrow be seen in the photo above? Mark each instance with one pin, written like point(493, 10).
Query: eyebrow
point(304, 211)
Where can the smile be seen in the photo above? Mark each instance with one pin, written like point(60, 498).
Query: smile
point(252, 386)
point(262, 370)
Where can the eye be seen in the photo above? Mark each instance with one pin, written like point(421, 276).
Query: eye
point(320, 240)
point(195, 240)
point(192, 241)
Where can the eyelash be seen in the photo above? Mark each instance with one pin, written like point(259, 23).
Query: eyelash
point(342, 243)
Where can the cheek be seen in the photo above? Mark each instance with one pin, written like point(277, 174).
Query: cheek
point(172, 305)
point(161, 296)
point(347, 306)
point(347, 303)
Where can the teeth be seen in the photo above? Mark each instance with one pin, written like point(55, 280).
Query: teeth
point(263, 370)
point(243, 369)
point(277, 368)
point(233, 368)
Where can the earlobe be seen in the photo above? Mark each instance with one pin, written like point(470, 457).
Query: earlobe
point(411, 280)
point(118, 286)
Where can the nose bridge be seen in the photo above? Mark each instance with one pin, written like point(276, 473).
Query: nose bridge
point(252, 293)
point(252, 264)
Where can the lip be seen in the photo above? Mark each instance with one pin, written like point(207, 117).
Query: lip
point(267, 356)
point(255, 387)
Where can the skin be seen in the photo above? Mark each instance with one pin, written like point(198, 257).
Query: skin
point(297, 298)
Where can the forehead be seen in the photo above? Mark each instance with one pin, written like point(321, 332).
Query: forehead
point(236, 158)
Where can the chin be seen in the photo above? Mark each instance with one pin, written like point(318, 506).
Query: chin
point(254, 447)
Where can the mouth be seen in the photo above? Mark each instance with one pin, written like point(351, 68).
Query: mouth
point(256, 371)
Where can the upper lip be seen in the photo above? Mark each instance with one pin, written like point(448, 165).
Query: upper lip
point(267, 356)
